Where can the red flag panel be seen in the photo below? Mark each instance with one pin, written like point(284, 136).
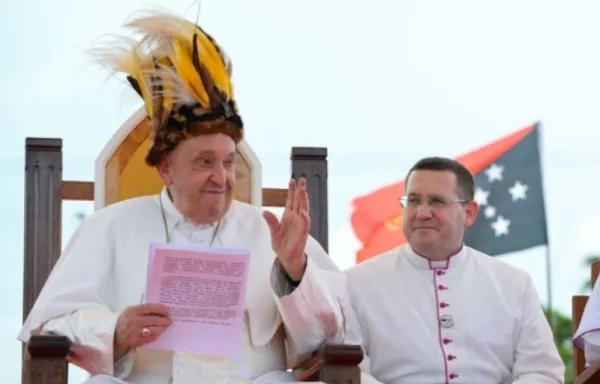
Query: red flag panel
point(376, 219)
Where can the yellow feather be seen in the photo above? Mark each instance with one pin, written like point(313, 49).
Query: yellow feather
point(125, 57)
point(168, 87)
point(138, 73)
point(185, 67)
point(207, 54)
point(162, 24)
point(167, 42)
point(214, 63)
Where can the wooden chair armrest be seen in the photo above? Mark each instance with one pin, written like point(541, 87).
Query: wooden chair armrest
point(332, 363)
point(46, 360)
point(590, 375)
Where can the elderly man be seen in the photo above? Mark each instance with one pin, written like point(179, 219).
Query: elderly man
point(437, 311)
point(587, 336)
point(94, 294)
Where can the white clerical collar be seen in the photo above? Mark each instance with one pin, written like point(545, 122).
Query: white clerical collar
point(173, 216)
point(422, 262)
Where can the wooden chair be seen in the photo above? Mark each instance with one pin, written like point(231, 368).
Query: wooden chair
point(120, 174)
point(581, 374)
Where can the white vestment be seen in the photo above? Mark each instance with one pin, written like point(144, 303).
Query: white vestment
point(587, 336)
point(103, 270)
point(472, 319)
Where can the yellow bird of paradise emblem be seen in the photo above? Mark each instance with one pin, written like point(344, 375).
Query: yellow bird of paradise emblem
point(394, 224)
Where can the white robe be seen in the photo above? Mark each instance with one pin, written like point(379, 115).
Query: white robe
point(473, 319)
point(103, 270)
point(587, 336)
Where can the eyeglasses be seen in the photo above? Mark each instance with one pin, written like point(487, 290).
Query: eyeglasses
point(433, 202)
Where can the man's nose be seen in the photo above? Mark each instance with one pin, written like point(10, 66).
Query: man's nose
point(423, 211)
point(219, 175)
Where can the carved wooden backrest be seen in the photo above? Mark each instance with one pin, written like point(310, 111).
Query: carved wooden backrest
point(121, 172)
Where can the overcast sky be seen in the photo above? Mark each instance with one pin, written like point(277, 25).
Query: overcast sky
point(380, 85)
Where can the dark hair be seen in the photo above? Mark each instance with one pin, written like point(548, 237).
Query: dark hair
point(465, 181)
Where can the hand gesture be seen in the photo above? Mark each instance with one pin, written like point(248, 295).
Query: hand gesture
point(288, 237)
point(141, 324)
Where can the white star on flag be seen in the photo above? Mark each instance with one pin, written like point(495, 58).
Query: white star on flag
point(481, 196)
point(500, 226)
point(518, 191)
point(489, 211)
point(494, 172)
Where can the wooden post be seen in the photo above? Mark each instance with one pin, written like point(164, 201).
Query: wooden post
point(578, 304)
point(341, 364)
point(311, 163)
point(332, 363)
point(43, 206)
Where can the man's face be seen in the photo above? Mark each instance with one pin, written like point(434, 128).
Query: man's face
point(434, 221)
point(200, 174)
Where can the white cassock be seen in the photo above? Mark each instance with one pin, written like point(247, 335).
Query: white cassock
point(473, 319)
point(587, 336)
point(103, 270)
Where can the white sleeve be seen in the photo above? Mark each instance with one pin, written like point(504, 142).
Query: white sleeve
point(311, 312)
point(592, 347)
point(76, 300)
point(536, 357)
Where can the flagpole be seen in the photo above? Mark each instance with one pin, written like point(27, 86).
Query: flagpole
point(548, 258)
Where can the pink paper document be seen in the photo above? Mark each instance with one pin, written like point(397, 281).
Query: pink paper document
point(205, 288)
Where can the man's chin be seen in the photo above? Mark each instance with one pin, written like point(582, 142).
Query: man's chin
point(424, 236)
point(422, 244)
point(220, 207)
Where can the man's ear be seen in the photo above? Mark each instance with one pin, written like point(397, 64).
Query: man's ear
point(164, 171)
point(471, 210)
